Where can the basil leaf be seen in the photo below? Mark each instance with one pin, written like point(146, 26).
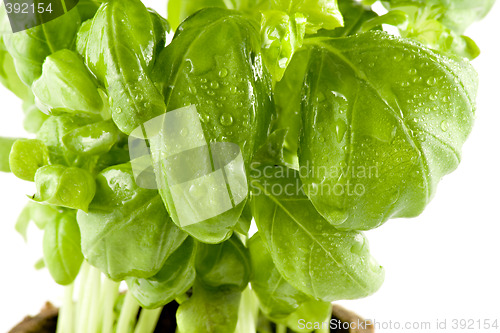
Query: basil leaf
point(5, 149)
point(175, 278)
point(123, 211)
point(214, 63)
point(30, 47)
point(62, 186)
point(93, 139)
point(61, 248)
point(66, 85)
point(119, 47)
point(209, 310)
point(343, 267)
point(26, 157)
point(277, 298)
point(376, 142)
point(223, 265)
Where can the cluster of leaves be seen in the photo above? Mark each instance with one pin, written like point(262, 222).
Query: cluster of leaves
point(299, 85)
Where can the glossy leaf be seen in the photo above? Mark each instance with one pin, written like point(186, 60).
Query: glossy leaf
point(62, 186)
point(8, 74)
point(214, 63)
point(5, 148)
point(281, 36)
point(66, 85)
point(26, 157)
point(318, 260)
point(313, 312)
point(175, 278)
point(52, 133)
point(223, 265)
point(277, 298)
point(120, 47)
point(288, 97)
point(61, 248)
point(33, 117)
point(457, 15)
point(93, 139)
point(30, 47)
point(209, 310)
point(123, 211)
point(376, 141)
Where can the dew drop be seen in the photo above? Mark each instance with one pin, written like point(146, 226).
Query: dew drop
point(444, 125)
point(412, 71)
point(214, 84)
point(223, 72)
point(226, 119)
point(340, 129)
point(432, 97)
point(431, 81)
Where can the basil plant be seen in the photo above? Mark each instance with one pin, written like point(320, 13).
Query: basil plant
point(227, 159)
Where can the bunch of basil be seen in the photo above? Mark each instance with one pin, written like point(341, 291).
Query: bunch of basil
point(354, 125)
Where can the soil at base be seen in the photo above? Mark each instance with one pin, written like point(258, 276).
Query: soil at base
point(46, 320)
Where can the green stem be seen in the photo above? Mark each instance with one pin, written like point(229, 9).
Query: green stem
point(148, 320)
point(95, 306)
point(280, 328)
point(110, 292)
point(83, 299)
point(247, 313)
point(128, 314)
point(65, 322)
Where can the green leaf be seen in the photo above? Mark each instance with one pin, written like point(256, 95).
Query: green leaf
point(120, 49)
point(222, 273)
point(376, 142)
point(30, 47)
point(456, 15)
point(223, 265)
point(5, 149)
point(52, 133)
point(320, 14)
point(355, 14)
point(288, 97)
point(66, 85)
point(209, 310)
point(33, 117)
point(93, 139)
point(87, 8)
point(61, 248)
point(26, 157)
point(440, 24)
point(277, 298)
point(8, 74)
point(175, 278)
point(274, 151)
point(62, 186)
point(23, 222)
point(281, 36)
point(312, 311)
point(214, 63)
point(42, 214)
point(245, 220)
point(122, 211)
point(320, 261)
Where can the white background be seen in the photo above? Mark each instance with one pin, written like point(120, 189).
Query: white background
point(442, 265)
